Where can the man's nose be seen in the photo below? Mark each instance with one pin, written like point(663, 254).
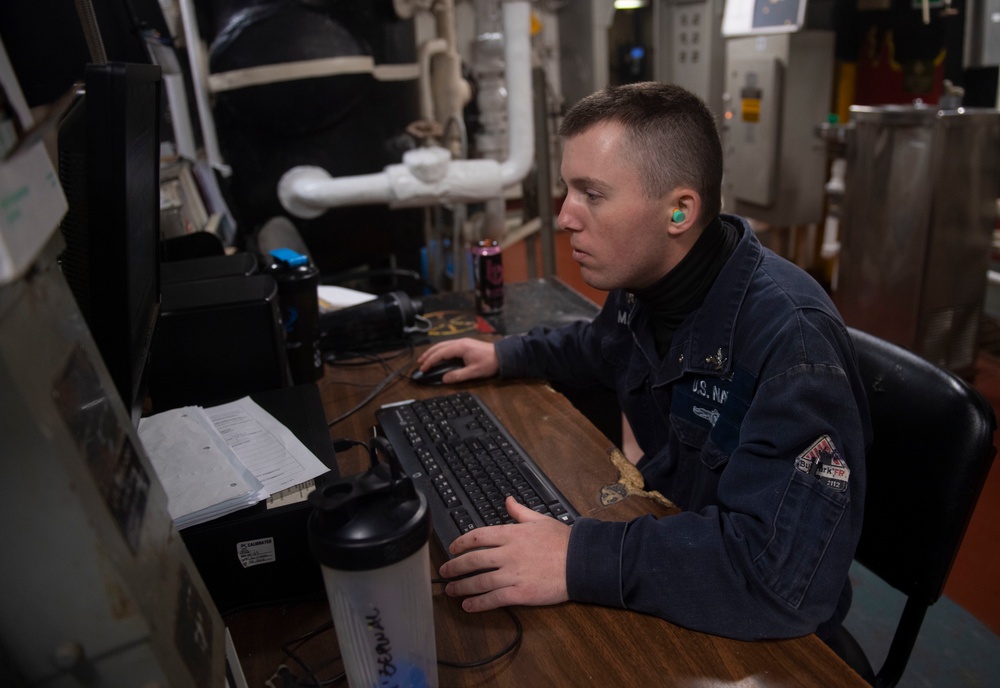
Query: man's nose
point(566, 218)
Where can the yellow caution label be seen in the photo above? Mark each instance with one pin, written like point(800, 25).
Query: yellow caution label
point(536, 24)
point(750, 109)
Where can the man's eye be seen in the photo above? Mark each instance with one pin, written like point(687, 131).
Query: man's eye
point(591, 196)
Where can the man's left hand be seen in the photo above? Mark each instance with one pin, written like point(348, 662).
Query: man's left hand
point(519, 563)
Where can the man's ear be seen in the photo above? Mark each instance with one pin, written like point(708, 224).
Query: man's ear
point(685, 211)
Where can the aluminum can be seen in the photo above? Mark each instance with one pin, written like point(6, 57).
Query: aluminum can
point(488, 263)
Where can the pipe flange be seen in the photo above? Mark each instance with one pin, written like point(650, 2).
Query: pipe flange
point(429, 165)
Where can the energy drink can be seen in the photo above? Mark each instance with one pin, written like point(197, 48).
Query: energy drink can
point(488, 264)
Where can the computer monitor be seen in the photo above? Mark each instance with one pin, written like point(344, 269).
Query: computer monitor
point(109, 161)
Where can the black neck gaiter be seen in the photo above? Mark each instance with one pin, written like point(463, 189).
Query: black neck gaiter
point(682, 290)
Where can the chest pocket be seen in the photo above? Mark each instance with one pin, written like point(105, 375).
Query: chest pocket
point(706, 413)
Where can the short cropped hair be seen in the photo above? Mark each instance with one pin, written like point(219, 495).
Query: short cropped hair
point(669, 132)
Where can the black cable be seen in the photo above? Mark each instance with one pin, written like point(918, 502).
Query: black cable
point(290, 647)
point(510, 647)
point(378, 388)
point(366, 358)
point(345, 443)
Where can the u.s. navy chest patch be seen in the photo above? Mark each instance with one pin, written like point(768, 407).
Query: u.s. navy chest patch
point(708, 396)
point(824, 461)
point(711, 409)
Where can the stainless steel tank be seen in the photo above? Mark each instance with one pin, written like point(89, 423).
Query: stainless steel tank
point(918, 216)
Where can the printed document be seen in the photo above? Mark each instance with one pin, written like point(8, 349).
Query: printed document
point(217, 460)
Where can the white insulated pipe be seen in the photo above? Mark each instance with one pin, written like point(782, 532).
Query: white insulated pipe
point(520, 110)
point(428, 176)
point(196, 59)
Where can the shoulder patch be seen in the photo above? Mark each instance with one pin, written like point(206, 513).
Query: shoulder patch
point(824, 461)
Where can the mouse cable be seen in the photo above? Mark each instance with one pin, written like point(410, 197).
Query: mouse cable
point(377, 390)
point(510, 647)
point(362, 358)
point(312, 680)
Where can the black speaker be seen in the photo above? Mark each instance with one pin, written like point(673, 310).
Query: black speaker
point(208, 268)
point(217, 340)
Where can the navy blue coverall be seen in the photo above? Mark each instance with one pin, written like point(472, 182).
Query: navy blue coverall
point(755, 423)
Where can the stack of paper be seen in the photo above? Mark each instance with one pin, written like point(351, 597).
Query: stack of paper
point(214, 461)
point(332, 297)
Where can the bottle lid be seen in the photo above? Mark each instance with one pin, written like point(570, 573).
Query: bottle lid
point(368, 521)
point(289, 257)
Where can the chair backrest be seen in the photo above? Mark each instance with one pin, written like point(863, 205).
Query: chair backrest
point(932, 450)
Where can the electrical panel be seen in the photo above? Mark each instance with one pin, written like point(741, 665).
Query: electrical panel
point(583, 47)
point(695, 55)
point(778, 89)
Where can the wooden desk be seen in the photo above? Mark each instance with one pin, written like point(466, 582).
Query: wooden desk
point(570, 644)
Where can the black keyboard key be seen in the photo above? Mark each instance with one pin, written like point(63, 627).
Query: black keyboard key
point(463, 520)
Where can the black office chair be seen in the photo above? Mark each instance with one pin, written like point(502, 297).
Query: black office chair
point(931, 452)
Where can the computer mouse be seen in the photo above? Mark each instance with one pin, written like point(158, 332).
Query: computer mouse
point(433, 375)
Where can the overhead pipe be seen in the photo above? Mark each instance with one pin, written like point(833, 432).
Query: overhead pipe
point(428, 176)
point(452, 91)
point(425, 55)
point(491, 97)
point(199, 69)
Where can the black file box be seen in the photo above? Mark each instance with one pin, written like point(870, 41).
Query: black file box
point(279, 566)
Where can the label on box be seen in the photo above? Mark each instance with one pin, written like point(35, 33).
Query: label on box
point(31, 205)
point(254, 552)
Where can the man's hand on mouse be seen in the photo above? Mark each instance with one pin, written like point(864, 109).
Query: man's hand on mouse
point(480, 359)
point(521, 563)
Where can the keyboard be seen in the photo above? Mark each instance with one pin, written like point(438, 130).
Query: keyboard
point(466, 463)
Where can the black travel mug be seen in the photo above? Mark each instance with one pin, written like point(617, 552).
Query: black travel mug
point(298, 284)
